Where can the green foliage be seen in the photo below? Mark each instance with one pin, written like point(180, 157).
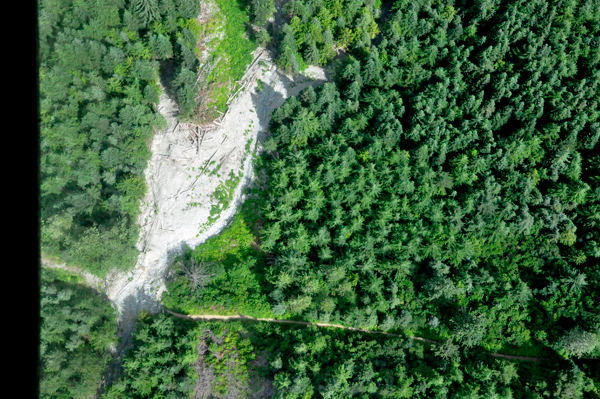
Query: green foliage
point(286, 361)
point(263, 38)
point(312, 362)
point(261, 11)
point(577, 343)
point(234, 52)
point(223, 195)
point(146, 10)
point(77, 332)
point(235, 266)
point(230, 357)
point(469, 329)
point(446, 184)
point(160, 363)
point(185, 84)
point(133, 189)
point(313, 27)
point(102, 250)
point(433, 179)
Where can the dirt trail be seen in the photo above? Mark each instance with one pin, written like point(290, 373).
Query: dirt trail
point(306, 323)
point(91, 280)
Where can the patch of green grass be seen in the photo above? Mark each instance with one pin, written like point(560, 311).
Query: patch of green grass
point(237, 285)
point(215, 170)
point(246, 152)
point(223, 195)
point(234, 50)
point(67, 276)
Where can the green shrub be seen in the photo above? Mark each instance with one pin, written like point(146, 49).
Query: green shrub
point(101, 250)
point(261, 11)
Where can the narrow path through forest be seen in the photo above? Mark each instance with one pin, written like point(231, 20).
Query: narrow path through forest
point(306, 323)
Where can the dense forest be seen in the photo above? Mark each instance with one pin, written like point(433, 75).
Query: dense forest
point(448, 182)
point(99, 64)
point(445, 184)
point(158, 364)
point(177, 358)
point(315, 26)
point(323, 363)
point(77, 336)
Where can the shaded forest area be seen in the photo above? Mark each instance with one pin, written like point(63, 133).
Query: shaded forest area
point(78, 334)
point(99, 71)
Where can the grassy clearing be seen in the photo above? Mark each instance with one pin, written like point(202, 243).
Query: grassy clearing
point(233, 52)
point(236, 268)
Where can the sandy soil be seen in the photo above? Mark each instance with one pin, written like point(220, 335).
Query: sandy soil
point(169, 222)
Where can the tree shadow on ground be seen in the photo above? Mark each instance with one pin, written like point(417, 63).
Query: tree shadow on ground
point(168, 70)
point(266, 101)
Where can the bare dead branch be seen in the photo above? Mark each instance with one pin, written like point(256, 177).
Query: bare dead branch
point(197, 273)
